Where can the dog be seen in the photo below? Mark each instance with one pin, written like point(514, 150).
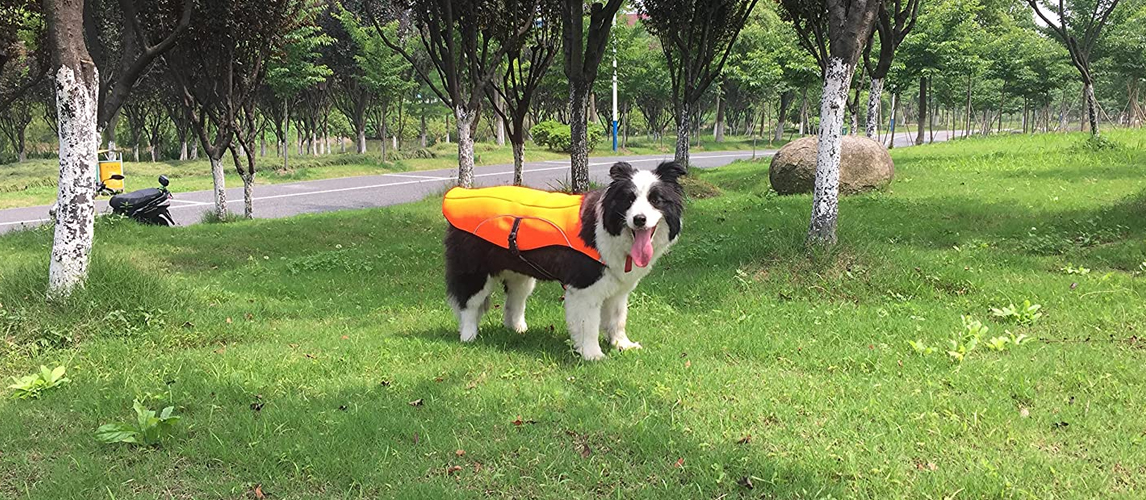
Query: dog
point(636, 219)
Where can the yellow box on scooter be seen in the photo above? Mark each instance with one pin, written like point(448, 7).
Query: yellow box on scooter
point(109, 168)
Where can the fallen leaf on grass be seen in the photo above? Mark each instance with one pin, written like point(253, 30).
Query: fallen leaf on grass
point(460, 453)
point(258, 492)
point(746, 482)
point(520, 422)
point(345, 337)
point(744, 440)
point(453, 469)
point(679, 463)
point(586, 451)
point(250, 316)
point(687, 363)
point(416, 402)
point(228, 320)
point(477, 467)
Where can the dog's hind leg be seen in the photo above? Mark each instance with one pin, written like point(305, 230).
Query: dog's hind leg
point(469, 310)
point(614, 314)
point(518, 287)
point(583, 317)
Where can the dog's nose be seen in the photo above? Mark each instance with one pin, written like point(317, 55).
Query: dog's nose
point(639, 220)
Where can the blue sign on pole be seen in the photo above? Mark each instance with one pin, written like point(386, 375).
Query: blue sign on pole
point(614, 135)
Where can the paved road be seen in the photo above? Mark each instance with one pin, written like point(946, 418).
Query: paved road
point(283, 200)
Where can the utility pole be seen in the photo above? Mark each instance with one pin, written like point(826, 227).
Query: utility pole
point(614, 91)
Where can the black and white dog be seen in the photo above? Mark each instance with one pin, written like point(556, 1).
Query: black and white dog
point(637, 217)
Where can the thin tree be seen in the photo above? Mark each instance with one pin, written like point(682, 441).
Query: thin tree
point(895, 21)
point(465, 45)
point(524, 69)
point(834, 32)
point(77, 87)
point(583, 49)
point(696, 38)
point(1078, 25)
point(21, 20)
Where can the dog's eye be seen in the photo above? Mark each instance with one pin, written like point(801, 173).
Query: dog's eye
point(655, 199)
point(632, 197)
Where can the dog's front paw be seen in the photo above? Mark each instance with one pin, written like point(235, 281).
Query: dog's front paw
point(593, 355)
point(626, 344)
point(517, 326)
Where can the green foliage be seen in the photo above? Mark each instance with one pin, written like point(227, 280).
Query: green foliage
point(557, 137)
point(297, 66)
point(33, 386)
point(961, 346)
point(147, 429)
point(1070, 269)
point(1026, 315)
point(382, 69)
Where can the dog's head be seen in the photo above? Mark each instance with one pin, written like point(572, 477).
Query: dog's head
point(638, 201)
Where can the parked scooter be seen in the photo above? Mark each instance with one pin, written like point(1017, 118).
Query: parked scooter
point(148, 206)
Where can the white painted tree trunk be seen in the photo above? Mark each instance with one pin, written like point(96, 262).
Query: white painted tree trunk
point(220, 188)
point(465, 119)
point(873, 101)
point(248, 193)
point(195, 151)
point(182, 149)
point(825, 198)
point(76, 107)
point(361, 144)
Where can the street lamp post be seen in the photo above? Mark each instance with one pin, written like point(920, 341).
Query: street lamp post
point(614, 93)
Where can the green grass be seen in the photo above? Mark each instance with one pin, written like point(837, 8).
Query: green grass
point(293, 348)
point(34, 182)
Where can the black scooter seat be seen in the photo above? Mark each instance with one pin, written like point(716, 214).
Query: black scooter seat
point(136, 199)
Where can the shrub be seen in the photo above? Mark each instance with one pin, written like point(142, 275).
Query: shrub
point(557, 137)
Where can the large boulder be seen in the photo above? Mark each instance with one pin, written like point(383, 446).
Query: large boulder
point(864, 165)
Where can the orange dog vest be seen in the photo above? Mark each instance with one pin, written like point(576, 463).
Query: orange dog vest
point(506, 215)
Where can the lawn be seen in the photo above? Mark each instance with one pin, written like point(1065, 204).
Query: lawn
point(315, 357)
point(33, 182)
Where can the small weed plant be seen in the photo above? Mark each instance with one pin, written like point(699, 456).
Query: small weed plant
point(34, 385)
point(1025, 315)
point(147, 429)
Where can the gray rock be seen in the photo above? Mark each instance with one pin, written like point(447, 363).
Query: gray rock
point(864, 165)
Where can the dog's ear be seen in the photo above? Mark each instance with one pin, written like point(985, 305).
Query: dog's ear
point(669, 171)
point(622, 171)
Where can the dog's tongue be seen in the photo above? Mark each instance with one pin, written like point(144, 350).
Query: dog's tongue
point(642, 251)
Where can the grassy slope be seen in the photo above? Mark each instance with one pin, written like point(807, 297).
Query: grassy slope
point(335, 325)
point(34, 181)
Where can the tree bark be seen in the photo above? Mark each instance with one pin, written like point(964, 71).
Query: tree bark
point(785, 101)
point(873, 104)
point(1091, 107)
point(718, 127)
point(77, 108)
point(579, 140)
point(683, 122)
point(891, 132)
point(518, 162)
point(825, 198)
point(922, 119)
point(194, 150)
point(465, 120)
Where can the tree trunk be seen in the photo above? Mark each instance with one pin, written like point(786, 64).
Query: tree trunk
point(825, 198)
point(194, 150)
point(1091, 107)
point(248, 192)
point(518, 161)
point(922, 118)
point(785, 101)
point(220, 185)
point(718, 127)
point(579, 139)
point(422, 130)
point(683, 120)
point(891, 132)
point(286, 133)
point(1137, 114)
point(465, 121)
point(182, 148)
point(873, 107)
point(804, 112)
point(499, 122)
point(77, 85)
